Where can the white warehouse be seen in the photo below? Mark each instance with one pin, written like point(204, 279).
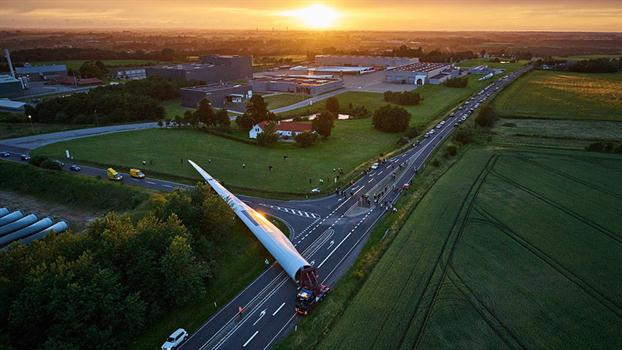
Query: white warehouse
point(419, 74)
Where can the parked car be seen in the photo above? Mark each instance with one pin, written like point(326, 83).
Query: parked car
point(374, 166)
point(5, 154)
point(175, 339)
point(75, 168)
point(24, 157)
point(315, 190)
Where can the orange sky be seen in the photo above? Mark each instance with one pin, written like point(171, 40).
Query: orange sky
point(552, 15)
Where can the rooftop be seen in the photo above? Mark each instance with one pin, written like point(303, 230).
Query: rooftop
point(10, 104)
point(297, 79)
point(212, 87)
point(30, 69)
point(5, 79)
point(420, 67)
point(184, 66)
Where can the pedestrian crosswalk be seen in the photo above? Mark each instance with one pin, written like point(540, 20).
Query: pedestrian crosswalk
point(304, 214)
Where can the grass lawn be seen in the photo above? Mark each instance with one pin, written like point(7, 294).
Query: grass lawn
point(352, 143)
point(174, 107)
point(437, 100)
point(282, 100)
point(563, 95)
point(10, 130)
point(511, 248)
point(75, 64)
point(241, 260)
point(509, 67)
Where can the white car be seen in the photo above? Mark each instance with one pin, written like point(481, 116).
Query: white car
point(374, 166)
point(315, 190)
point(175, 339)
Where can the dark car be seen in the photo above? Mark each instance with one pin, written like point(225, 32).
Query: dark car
point(5, 154)
point(25, 157)
point(75, 168)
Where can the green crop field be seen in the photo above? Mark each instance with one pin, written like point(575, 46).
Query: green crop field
point(437, 100)
point(282, 100)
point(563, 95)
point(352, 143)
point(75, 64)
point(512, 248)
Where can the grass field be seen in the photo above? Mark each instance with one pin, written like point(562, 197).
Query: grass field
point(75, 64)
point(174, 107)
point(353, 142)
point(510, 249)
point(282, 100)
point(562, 95)
point(509, 67)
point(587, 57)
point(437, 100)
point(10, 130)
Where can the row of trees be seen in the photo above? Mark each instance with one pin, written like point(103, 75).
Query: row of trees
point(405, 98)
point(84, 53)
point(459, 82)
point(256, 112)
point(134, 101)
point(432, 56)
point(102, 287)
point(604, 147)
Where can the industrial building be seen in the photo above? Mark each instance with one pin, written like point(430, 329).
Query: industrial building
point(298, 84)
point(10, 86)
point(419, 74)
point(332, 70)
point(230, 96)
point(211, 69)
point(41, 73)
point(129, 73)
point(370, 61)
point(7, 105)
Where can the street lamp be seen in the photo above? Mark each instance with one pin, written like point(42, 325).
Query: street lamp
point(31, 126)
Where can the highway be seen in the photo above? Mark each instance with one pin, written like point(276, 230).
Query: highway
point(329, 232)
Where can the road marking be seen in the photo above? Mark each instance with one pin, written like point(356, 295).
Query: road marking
point(331, 244)
point(151, 182)
point(249, 339)
point(261, 315)
point(168, 186)
point(279, 332)
point(279, 309)
point(370, 180)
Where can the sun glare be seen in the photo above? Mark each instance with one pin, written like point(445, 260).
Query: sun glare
point(315, 16)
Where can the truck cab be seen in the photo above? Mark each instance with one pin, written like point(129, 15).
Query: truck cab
point(113, 175)
point(137, 173)
point(310, 291)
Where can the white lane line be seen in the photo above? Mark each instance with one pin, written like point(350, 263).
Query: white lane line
point(249, 339)
point(279, 332)
point(380, 173)
point(169, 186)
point(151, 182)
point(370, 180)
point(279, 309)
point(261, 315)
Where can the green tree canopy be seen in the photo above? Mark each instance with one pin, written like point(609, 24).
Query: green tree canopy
point(324, 123)
point(391, 118)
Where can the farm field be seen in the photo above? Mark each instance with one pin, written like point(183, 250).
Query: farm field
point(437, 100)
point(75, 64)
point(352, 143)
point(281, 100)
point(511, 248)
point(563, 95)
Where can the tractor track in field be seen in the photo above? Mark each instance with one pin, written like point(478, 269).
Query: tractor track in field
point(487, 315)
point(587, 184)
point(600, 297)
point(560, 207)
point(468, 204)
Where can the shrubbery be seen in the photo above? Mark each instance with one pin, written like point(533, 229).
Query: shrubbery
point(457, 82)
point(486, 117)
point(357, 112)
point(306, 139)
point(604, 147)
point(391, 118)
point(406, 98)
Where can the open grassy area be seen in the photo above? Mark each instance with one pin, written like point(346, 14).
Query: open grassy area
point(352, 143)
point(75, 64)
point(511, 248)
point(240, 260)
point(282, 100)
point(509, 67)
point(10, 130)
point(174, 107)
point(563, 95)
point(437, 100)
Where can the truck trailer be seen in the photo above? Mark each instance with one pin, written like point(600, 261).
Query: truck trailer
point(310, 290)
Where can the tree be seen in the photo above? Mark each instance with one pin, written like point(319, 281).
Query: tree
point(183, 274)
point(167, 54)
point(332, 105)
point(90, 69)
point(205, 112)
point(222, 118)
point(391, 118)
point(306, 139)
point(486, 117)
point(324, 123)
point(244, 121)
point(268, 135)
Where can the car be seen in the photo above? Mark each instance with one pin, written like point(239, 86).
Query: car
point(375, 166)
point(426, 135)
point(456, 124)
point(24, 157)
point(75, 168)
point(315, 190)
point(5, 154)
point(175, 339)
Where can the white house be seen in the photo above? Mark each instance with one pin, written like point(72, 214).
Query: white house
point(283, 129)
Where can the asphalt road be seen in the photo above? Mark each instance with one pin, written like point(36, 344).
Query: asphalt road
point(329, 232)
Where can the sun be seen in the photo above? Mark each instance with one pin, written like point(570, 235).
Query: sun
point(315, 16)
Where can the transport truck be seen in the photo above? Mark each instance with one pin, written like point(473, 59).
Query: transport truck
point(113, 175)
point(137, 173)
point(310, 291)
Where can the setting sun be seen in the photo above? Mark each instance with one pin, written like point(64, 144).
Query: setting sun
point(315, 16)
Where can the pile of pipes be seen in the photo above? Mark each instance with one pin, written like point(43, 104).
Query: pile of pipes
point(15, 226)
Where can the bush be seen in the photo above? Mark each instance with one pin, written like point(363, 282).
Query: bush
point(332, 105)
point(51, 164)
point(37, 160)
point(463, 136)
point(413, 132)
point(406, 98)
point(358, 112)
point(457, 82)
point(324, 123)
point(403, 141)
point(306, 139)
point(391, 118)
point(486, 117)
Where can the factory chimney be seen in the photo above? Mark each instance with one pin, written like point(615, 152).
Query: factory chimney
point(8, 59)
